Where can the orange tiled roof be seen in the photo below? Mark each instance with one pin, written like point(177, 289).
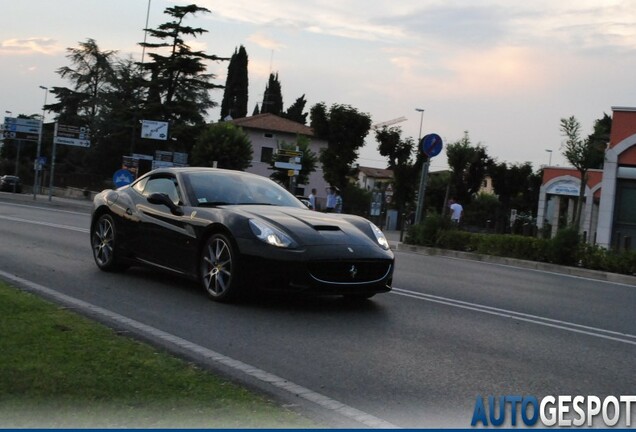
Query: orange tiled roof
point(377, 173)
point(273, 123)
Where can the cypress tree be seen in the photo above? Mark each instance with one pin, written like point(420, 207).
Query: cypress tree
point(272, 98)
point(234, 102)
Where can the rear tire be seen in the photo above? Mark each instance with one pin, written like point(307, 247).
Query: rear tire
point(104, 243)
point(219, 273)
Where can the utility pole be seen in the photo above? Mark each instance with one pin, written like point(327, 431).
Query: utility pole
point(422, 189)
point(36, 165)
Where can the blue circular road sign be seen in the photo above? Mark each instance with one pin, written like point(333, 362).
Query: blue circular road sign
point(431, 145)
point(123, 177)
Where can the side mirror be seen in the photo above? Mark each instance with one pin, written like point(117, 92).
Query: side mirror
point(164, 199)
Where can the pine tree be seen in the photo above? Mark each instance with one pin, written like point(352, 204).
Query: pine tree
point(295, 111)
point(178, 88)
point(234, 102)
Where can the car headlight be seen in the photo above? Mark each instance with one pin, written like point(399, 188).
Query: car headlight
point(270, 234)
point(379, 236)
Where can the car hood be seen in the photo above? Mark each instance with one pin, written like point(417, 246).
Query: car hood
point(315, 228)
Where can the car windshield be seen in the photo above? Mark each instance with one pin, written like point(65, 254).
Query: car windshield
point(212, 188)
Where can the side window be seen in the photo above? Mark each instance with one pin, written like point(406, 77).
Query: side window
point(165, 185)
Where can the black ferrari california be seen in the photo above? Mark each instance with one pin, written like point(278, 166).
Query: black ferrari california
point(232, 231)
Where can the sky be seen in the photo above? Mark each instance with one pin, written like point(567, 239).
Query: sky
point(504, 71)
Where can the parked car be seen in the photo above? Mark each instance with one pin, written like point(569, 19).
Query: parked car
point(232, 230)
point(9, 183)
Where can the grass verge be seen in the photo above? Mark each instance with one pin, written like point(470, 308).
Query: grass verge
point(59, 369)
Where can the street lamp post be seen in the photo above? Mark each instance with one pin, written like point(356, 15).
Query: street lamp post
point(36, 165)
point(422, 189)
point(550, 158)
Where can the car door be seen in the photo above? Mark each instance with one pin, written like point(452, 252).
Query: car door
point(166, 237)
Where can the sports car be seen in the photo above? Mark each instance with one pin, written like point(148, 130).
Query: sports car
point(233, 231)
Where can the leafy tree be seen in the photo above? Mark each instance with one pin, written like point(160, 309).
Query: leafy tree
point(468, 165)
point(401, 161)
point(309, 161)
point(582, 154)
point(225, 144)
point(273, 97)
point(295, 111)
point(91, 73)
point(178, 88)
point(344, 128)
point(234, 103)
point(517, 187)
point(599, 140)
point(118, 124)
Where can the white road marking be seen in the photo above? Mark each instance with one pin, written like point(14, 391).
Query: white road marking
point(534, 319)
point(48, 209)
point(48, 224)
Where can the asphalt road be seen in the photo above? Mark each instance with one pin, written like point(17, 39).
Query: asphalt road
point(416, 357)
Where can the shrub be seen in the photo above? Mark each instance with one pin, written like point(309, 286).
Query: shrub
point(427, 232)
point(455, 240)
point(564, 247)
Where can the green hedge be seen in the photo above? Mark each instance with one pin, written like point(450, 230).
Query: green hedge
point(566, 248)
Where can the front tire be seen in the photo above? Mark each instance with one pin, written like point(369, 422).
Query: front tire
point(104, 243)
point(219, 268)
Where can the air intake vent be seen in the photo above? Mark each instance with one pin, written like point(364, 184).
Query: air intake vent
point(326, 228)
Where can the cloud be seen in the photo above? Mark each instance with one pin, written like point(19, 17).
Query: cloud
point(34, 45)
point(264, 41)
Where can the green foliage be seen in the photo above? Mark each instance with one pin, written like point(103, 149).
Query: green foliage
point(517, 187)
point(437, 185)
point(468, 165)
point(400, 159)
point(273, 97)
point(178, 86)
point(345, 129)
point(355, 200)
point(454, 239)
point(482, 211)
point(295, 111)
point(583, 154)
point(224, 143)
point(564, 247)
point(235, 96)
point(427, 232)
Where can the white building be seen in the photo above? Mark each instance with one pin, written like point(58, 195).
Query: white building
point(266, 132)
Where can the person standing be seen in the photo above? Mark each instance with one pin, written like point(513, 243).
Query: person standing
point(456, 210)
point(331, 200)
point(338, 206)
point(312, 199)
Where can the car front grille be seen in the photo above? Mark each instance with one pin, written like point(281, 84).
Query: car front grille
point(350, 272)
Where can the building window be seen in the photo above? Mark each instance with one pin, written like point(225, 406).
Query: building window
point(268, 135)
point(266, 154)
